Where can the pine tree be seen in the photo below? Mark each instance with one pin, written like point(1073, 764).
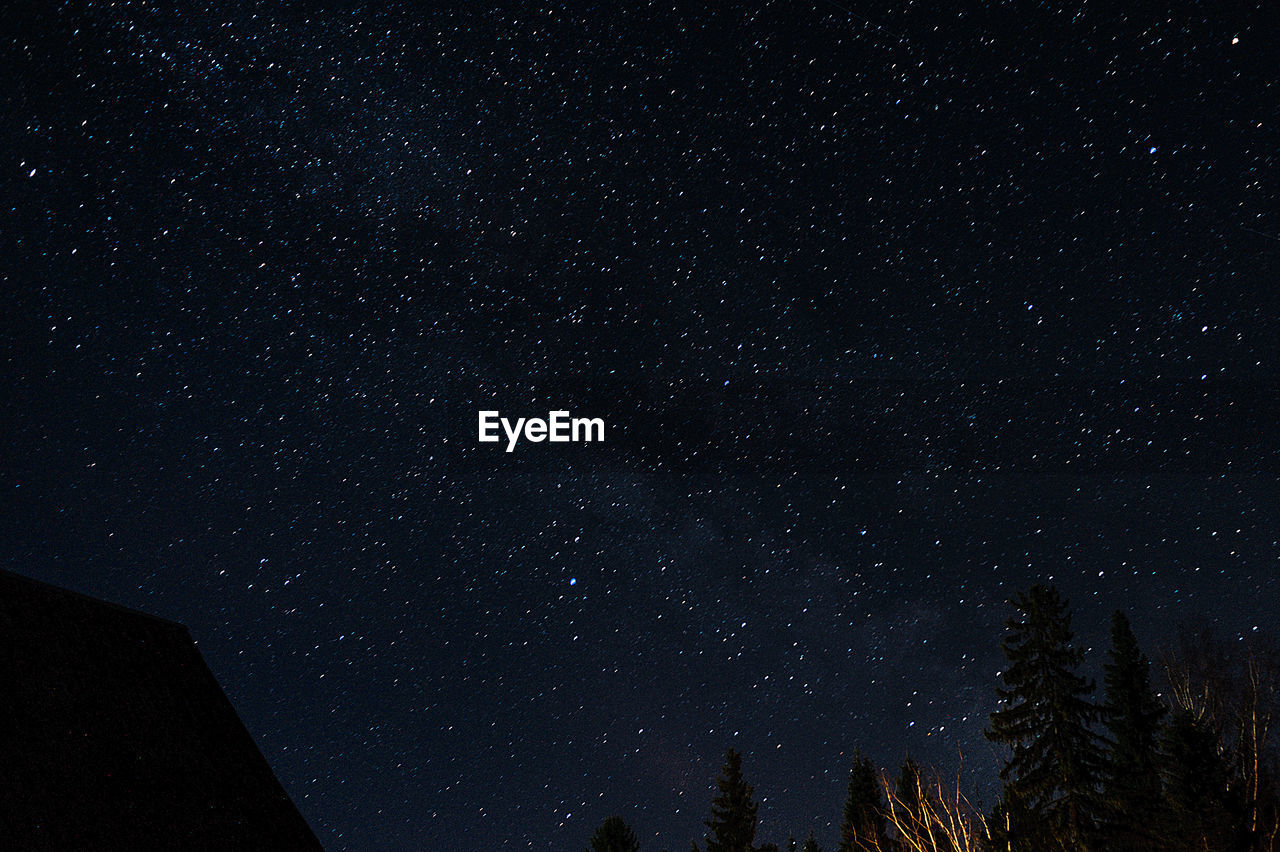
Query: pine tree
point(1203, 809)
point(614, 835)
point(909, 786)
point(811, 845)
point(1045, 721)
point(911, 818)
point(863, 826)
point(1011, 824)
point(733, 813)
point(1133, 718)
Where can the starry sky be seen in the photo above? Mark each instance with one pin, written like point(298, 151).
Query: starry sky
point(889, 314)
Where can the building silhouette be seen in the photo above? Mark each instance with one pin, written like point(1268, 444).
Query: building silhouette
point(114, 734)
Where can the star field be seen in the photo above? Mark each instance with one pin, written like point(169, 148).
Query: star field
point(889, 313)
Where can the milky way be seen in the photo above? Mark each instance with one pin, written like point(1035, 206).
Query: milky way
point(889, 314)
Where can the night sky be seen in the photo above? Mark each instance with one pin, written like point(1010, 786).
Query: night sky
point(889, 314)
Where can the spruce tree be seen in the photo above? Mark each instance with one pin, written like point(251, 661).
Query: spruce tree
point(1011, 824)
point(911, 820)
point(614, 835)
point(1133, 716)
point(863, 826)
point(909, 786)
point(1203, 809)
point(811, 845)
point(733, 813)
point(1045, 720)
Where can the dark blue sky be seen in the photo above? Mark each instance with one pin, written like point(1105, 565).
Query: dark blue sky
point(889, 314)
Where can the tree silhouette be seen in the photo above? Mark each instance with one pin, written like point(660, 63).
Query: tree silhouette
point(863, 826)
point(909, 785)
point(614, 835)
point(1045, 721)
point(1203, 810)
point(733, 813)
point(1133, 716)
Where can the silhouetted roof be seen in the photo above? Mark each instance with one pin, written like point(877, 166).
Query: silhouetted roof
point(115, 734)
